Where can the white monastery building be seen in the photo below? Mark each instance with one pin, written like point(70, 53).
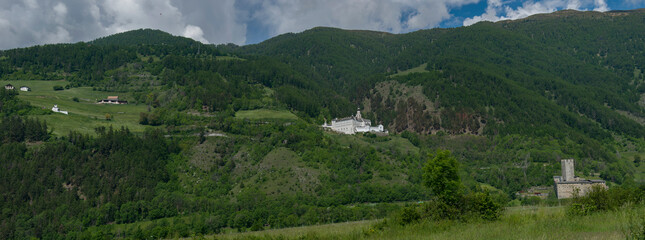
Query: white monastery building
point(353, 124)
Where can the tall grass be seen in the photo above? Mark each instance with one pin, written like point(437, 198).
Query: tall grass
point(515, 223)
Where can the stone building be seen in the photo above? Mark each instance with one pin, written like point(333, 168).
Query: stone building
point(353, 124)
point(568, 185)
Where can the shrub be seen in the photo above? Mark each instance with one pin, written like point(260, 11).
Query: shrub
point(483, 205)
point(58, 88)
point(437, 209)
point(75, 99)
point(408, 215)
point(637, 160)
point(580, 209)
point(601, 199)
point(412, 137)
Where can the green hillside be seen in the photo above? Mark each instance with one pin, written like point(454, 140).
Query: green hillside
point(228, 139)
point(84, 113)
point(144, 37)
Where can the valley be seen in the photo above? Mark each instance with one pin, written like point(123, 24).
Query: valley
point(225, 141)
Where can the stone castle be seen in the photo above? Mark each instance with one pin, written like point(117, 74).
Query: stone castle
point(353, 124)
point(568, 185)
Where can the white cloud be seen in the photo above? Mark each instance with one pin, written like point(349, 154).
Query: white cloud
point(601, 6)
point(124, 15)
point(195, 32)
point(396, 16)
point(61, 12)
point(497, 11)
point(29, 22)
point(219, 20)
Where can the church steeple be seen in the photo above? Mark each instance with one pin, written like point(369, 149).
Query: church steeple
point(358, 113)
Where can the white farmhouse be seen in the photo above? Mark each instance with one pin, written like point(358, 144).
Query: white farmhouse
point(353, 124)
point(25, 89)
point(55, 109)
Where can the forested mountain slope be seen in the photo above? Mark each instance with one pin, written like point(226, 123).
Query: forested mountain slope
point(584, 63)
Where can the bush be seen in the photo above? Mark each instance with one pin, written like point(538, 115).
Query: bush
point(58, 88)
point(483, 205)
point(637, 160)
point(408, 215)
point(580, 209)
point(601, 199)
point(75, 99)
point(437, 210)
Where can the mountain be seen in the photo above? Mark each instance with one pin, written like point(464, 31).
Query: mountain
point(574, 68)
point(228, 136)
point(144, 37)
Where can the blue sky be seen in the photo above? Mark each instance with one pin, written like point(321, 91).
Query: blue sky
point(33, 22)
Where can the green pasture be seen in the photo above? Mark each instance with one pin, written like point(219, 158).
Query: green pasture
point(84, 115)
point(420, 69)
point(265, 114)
point(229, 58)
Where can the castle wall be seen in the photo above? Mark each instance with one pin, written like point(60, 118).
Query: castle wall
point(568, 190)
point(568, 186)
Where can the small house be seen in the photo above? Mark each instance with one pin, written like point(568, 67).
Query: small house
point(25, 89)
point(112, 100)
point(8, 87)
point(56, 109)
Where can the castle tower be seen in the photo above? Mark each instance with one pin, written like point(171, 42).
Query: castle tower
point(358, 114)
point(567, 170)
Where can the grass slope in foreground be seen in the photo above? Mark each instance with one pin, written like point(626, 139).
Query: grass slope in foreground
point(84, 115)
point(516, 223)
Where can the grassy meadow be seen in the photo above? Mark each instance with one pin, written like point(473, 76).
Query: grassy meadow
point(516, 223)
point(420, 69)
point(84, 115)
point(265, 114)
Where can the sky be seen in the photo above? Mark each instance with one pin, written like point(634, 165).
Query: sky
point(26, 23)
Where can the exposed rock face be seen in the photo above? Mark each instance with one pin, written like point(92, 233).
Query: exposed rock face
point(402, 107)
